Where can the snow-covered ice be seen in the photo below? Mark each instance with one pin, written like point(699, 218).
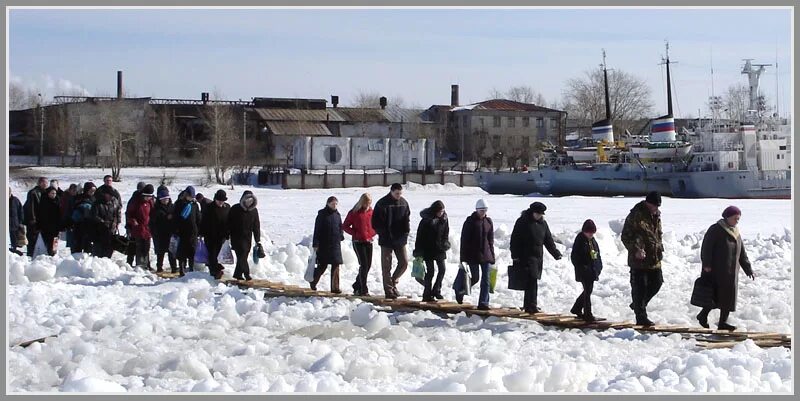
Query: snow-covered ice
point(121, 329)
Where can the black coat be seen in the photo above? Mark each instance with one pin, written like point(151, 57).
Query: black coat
point(188, 229)
point(214, 225)
point(586, 268)
point(433, 235)
point(719, 252)
point(391, 219)
point(105, 188)
point(328, 237)
point(31, 207)
point(477, 240)
point(106, 216)
point(527, 240)
point(49, 218)
point(15, 214)
point(245, 225)
point(161, 225)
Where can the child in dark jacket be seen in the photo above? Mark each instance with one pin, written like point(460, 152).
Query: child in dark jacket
point(586, 259)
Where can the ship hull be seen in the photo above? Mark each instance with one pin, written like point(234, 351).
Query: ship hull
point(735, 184)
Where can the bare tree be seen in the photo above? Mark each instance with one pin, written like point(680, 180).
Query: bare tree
point(520, 93)
point(736, 101)
point(163, 133)
point(630, 97)
point(221, 147)
point(111, 116)
point(61, 136)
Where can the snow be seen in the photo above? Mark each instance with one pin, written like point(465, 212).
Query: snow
point(121, 329)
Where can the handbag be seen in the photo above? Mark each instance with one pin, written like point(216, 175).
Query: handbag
point(518, 277)
point(703, 292)
point(119, 243)
point(201, 253)
point(418, 270)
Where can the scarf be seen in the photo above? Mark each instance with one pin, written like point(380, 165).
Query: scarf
point(733, 232)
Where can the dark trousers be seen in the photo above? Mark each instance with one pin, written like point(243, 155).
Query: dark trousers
point(645, 284)
point(433, 288)
point(102, 246)
point(32, 234)
point(161, 247)
point(242, 264)
point(142, 247)
point(320, 270)
point(583, 305)
point(531, 294)
point(390, 279)
point(132, 249)
point(478, 272)
point(214, 245)
point(186, 250)
point(723, 314)
point(83, 239)
point(364, 255)
point(49, 242)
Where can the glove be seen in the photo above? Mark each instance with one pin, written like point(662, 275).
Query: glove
point(260, 250)
point(558, 256)
point(752, 276)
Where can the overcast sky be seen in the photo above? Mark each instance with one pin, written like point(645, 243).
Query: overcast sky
point(415, 54)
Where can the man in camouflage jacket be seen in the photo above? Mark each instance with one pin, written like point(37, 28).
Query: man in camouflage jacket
point(641, 236)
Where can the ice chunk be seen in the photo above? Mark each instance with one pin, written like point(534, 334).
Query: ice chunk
point(92, 385)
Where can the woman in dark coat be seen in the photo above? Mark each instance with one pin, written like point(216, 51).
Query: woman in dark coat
point(531, 233)
point(215, 230)
point(722, 254)
point(187, 223)
point(49, 219)
point(15, 221)
point(82, 222)
point(105, 215)
point(477, 251)
point(431, 245)
point(245, 226)
point(586, 260)
point(327, 243)
point(161, 227)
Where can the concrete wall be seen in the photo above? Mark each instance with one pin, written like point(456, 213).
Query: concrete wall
point(318, 181)
point(370, 153)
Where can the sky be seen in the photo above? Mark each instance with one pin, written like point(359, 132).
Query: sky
point(413, 54)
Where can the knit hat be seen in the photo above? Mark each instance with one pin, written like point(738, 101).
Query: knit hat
point(147, 190)
point(653, 198)
point(140, 185)
point(731, 211)
point(538, 207)
point(87, 186)
point(163, 193)
point(220, 196)
point(199, 197)
point(190, 190)
point(589, 227)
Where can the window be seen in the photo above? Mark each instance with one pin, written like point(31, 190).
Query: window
point(779, 156)
point(539, 122)
point(375, 144)
point(496, 141)
point(526, 121)
point(730, 164)
point(333, 154)
point(512, 122)
point(553, 122)
point(496, 121)
point(483, 122)
point(510, 141)
point(526, 142)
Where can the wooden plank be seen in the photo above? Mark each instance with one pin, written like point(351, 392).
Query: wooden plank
point(26, 344)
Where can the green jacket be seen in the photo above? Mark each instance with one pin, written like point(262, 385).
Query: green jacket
point(643, 231)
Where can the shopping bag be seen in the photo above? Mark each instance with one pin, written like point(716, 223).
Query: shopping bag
point(40, 248)
point(173, 245)
point(309, 276)
point(201, 253)
point(225, 256)
point(703, 292)
point(492, 278)
point(467, 278)
point(418, 270)
point(121, 243)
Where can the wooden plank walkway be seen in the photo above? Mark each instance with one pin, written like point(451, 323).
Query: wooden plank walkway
point(706, 338)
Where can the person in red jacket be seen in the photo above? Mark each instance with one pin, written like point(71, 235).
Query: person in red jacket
point(358, 224)
point(139, 223)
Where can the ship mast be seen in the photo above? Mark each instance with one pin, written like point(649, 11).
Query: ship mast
point(669, 82)
point(605, 84)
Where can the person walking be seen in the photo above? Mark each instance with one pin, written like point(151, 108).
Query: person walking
point(84, 227)
point(477, 251)
point(530, 236)
point(31, 210)
point(139, 223)
point(16, 222)
point(187, 227)
point(105, 214)
point(358, 224)
point(588, 264)
point(215, 230)
point(327, 243)
point(391, 219)
point(245, 226)
point(722, 255)
point(161, 228)
point(432, 244)
point(641, 235)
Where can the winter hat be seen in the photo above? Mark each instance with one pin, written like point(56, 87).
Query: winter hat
point(87, 186)
point(163, 193)
point(589, 227)
point(538, 207)
point(653, 198)
point(199, 197)
point(481, 204)
point(147, 190)
point(140, 185)
point(220, 196)
point(731, 211)
point(190, 190)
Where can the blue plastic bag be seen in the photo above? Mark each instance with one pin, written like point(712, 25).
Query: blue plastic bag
point(201, 254)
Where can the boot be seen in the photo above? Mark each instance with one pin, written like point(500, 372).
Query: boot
point(576, 311)
point(725, 326)
point(702, 318)
point(642, 320)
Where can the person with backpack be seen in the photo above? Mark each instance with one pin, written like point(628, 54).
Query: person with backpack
point(327, 243)
point(162, 228)
point(477, 251)
point(83, 226)
point(215, 230)
point(139, 224)
point(358, 224)
point(245, 226)
point(588, 264)
point(187, 224)
point(431, 245)
point(31, 210)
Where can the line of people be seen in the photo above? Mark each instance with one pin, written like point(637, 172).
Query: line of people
point(91, 218)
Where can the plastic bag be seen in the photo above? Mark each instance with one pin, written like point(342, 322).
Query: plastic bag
point(492, 278)
point(201, 254)
point(312, 260)
point(173, 245)
point(418, 270)
point(225, 256)
point(40, 248)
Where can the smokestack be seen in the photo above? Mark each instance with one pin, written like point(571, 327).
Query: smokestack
point(453, 95)
point(119, 84)
point(335, 100)
point(204, 97)
point(383, 102)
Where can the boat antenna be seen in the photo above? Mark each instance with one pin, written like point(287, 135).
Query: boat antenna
point(669, 83)
point(605, 85)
